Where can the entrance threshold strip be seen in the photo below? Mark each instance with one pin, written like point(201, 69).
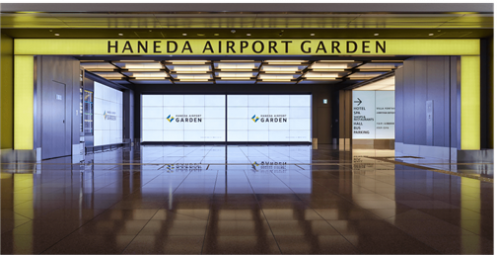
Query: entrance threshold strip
point(471, 176)
point(387, 162)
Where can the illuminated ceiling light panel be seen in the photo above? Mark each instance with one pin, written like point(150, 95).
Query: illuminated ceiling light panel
point(235, 74)
point(109, 74)
point(320, 78)
point(278, 76)
point(330, 66)
point(388, 88)
point(285, 62)
point(150, 74)
point(143, 70)
point(280, 69)
point(337, 61)
point(276, 80)
point(321, 75)
point(150, 78)
point(101, 69)
point(376, 87)
point(236, 78)
point(191, 69)
point(237, 61)
point(193, 76)
point(384, 84)
point(236, 66)
point(153, 65)
point(188, 62)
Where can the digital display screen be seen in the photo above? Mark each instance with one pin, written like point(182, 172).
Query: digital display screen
point(183, 118)
point(269, 118)
point(108, 118)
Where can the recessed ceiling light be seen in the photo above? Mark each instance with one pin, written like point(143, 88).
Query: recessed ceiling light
point(120, 34)
point(149, 30)
point(216, 34)
point(233, 31)
point(50, 30)
point(200, 34)
point(430, 34)
point(248, 34)
point(56, 34)
point(185, 34)
point(312, 34)
point(376, 34)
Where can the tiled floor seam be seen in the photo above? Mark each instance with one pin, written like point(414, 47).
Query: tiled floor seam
point(408, 191)
point(139, 231)
point(208, 216)
point(262, 211)
point(382, 220)
point(428, 214)
point(319, 215)
point(103, 211)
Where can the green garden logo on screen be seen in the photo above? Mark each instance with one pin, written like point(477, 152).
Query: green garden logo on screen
point(272, 118)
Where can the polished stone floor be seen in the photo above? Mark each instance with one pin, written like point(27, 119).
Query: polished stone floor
point(249, 200)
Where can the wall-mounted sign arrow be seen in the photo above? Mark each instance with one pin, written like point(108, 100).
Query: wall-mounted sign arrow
point(358, 101)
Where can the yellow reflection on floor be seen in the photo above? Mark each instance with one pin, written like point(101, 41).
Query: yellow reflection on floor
point(470, 200)
point(23, 205)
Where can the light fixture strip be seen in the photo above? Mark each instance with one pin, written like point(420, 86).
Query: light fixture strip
point(305, 71)
point(213, 73)
point(320, 78)
point(119, 70)
point(237, 78)
point(150, 78)
point(168, 72)
point(354, 70)
point(237, 70)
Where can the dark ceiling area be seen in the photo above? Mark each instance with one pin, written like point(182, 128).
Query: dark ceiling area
point(186, 33)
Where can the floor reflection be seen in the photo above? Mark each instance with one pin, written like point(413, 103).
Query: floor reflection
point(242, 199)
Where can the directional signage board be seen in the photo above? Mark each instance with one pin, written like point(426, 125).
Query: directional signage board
point(385, 114)
point(373, 115)
point(363, 113)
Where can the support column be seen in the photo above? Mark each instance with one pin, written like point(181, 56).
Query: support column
point(470, 103)
point(23, 102)
point(7, 94)
point(345, 120)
